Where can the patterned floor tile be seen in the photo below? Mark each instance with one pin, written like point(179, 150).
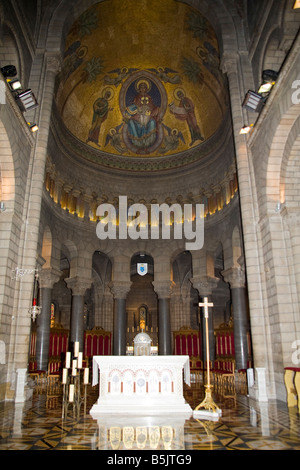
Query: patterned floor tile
point(244, 425)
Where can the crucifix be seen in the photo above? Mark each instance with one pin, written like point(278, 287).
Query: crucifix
point(208, 403)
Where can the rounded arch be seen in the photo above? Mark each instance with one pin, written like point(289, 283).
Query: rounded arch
point(279, 154)
point(7, 171)
point(69, 255)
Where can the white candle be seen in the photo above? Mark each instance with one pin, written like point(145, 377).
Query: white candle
point(68, 360)
point(71, 393)
point(64, 376)
point(76, 349)
point(79, 360)
point(74, 366)
point(86, 376)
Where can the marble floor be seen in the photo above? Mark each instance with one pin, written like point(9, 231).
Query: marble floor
point(244, 425)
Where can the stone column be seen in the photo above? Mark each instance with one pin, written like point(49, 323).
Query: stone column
point(236, 278)
point(47, 277)
point(163, 290)
point(233, 64)
point(78, 286)
point(205, 285)
point(120, 290)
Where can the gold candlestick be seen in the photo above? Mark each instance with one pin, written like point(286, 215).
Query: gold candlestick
point(207, 406)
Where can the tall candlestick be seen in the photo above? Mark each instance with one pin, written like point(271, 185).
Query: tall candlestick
point(86, 376)
point(71, 393)
point(79, 360)
point(74, 367)
point(68, 360)
point(76, 348)
point(64, 376)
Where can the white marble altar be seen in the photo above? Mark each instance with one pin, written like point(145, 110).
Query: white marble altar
point(143, 385)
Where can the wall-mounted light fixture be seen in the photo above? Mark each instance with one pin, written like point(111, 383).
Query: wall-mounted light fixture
point(8, 71)
point(269, 78)
point(297, 4)
point(33, 127)
point(14, 84)
point(26, 100)
point(253, 101)
point(246, 129)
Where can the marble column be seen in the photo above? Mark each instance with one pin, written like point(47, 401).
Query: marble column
point(236, 278)
point(78, 286)
point(205, 285)
point(47, 278)
point(120, 290)
point(163, 290)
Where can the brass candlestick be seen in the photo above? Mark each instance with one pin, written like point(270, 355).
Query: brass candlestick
point(207, 406)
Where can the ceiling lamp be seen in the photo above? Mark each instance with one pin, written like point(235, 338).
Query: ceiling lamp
point(26, 100)
point(253, 101)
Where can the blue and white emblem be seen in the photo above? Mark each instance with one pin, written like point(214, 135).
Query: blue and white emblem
point(142, 268)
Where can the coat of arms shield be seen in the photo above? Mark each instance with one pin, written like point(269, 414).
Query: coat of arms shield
point(142, 268)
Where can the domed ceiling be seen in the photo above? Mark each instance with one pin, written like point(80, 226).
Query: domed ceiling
point(141, 80)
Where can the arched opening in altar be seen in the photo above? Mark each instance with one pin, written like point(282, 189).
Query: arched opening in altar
point(141, 302)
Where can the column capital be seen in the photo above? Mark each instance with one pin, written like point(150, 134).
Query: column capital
point(235, 276)
point(48, 277)
point(204, 284)
point(229, 62)
point(78, 285)
point(120, 289)
point(53, 62)
point(163, 288)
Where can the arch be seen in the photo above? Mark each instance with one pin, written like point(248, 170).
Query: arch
point(7, 170)
point(279, 155)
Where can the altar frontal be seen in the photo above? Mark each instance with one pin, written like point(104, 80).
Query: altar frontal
point(144, 385)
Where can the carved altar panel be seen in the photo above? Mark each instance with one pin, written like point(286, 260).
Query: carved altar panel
point(148, 385)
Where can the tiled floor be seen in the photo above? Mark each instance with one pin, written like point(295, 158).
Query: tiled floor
point(244, 425)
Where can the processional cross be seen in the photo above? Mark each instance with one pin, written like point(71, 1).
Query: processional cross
point(208, 403)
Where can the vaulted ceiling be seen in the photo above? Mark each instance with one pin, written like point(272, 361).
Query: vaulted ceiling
point(141, 86)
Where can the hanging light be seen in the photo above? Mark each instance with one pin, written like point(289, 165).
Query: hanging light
point(35, 310)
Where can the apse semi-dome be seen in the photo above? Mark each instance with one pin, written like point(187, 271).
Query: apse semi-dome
point(141, 80)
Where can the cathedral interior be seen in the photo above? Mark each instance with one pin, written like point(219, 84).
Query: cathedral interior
point(149, 164)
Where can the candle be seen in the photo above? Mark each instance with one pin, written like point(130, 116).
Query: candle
point(71, 393)
point(74, 366)
point(64, 376)
point(76, 349)
point(79, 360)
point(86, 376)
point(68, 360)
